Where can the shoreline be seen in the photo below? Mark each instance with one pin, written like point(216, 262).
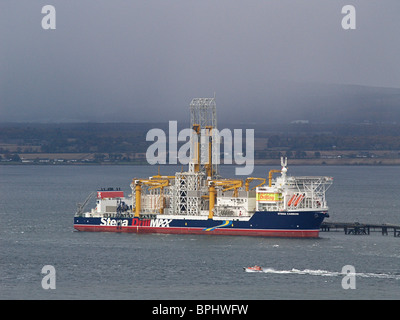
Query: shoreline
point(257, 162)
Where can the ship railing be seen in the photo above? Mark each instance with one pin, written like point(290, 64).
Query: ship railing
point(233, 211)
point(270, 206)
point(312, 184)
point(127, 214)
point(314, 188)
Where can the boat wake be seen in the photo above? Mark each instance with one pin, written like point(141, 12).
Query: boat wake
point(326, 273)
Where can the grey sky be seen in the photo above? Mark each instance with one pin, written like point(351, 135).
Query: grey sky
point(144, 60)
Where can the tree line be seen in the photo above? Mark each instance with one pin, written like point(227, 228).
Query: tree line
point(120, 138)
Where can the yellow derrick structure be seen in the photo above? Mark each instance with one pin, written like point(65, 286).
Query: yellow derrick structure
point(155, 182)
point(227, 184)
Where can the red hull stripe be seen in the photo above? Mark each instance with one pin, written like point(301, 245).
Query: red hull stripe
point(181, 230)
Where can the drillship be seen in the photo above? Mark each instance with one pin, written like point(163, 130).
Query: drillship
point(200, 201)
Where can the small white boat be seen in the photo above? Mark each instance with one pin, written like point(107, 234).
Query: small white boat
point(253, 269)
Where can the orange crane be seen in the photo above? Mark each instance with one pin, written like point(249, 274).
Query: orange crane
point(249, 179)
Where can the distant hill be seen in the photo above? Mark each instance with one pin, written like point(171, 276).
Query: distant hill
point(326, 103)
point(349, 103)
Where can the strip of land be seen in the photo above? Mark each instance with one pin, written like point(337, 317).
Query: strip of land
point(125, 143)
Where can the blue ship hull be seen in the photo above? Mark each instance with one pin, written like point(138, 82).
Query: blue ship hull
point(301, 224)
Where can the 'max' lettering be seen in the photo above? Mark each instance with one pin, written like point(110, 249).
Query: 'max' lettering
point(163, 223)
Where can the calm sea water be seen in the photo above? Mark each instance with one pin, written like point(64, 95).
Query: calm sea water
point(37, 204)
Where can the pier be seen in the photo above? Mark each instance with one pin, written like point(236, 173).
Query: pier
point(356, 228)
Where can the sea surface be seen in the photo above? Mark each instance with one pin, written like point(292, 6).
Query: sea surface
point(37, 204)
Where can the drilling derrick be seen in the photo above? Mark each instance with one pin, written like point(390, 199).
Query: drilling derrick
point(203, 121)
point(189, 193)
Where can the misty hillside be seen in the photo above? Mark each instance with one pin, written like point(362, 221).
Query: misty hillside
point(326, 103)
point(350, 103)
